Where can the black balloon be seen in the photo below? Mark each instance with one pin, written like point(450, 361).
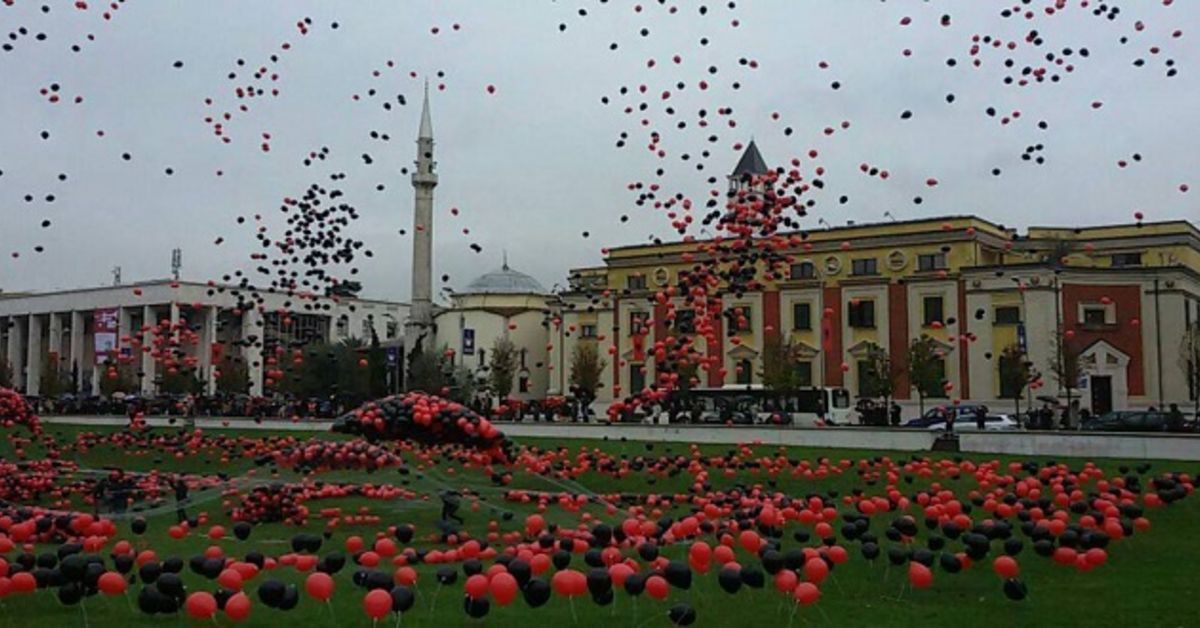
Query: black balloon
point(1015, 590)
point(476, 608)
point(730, 579)
point(402, 599)
point(682, 615)
point(271, 593)
point(447, 575)
point(537, 592)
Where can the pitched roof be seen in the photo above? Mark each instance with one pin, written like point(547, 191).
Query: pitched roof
point(751, 162)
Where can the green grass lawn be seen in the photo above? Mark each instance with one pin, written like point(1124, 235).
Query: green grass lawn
point(1149, 580)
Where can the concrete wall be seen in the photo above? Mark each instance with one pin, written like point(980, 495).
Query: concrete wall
point(1132, 447)
point(849, 438)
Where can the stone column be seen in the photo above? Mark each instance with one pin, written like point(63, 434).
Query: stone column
point(33, 363)
point(148, 371)
point(252, 337)
point(16, 361)
point(75, 359)
point(208, 336)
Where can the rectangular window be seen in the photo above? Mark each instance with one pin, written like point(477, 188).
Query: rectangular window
point(587, 331)
point(861, 267)
point(523, 384)
point(804, 373)
point(861, 314)
point(393, 329)
point(685, 321)
point(1094, 315)
point(931, 261)
point(635, 282)
point(802, 316)
point(637, 378)
point(1120, 260)
point(638, 321)
point(803, 270)
point(743, 319)
point(1008, 315)
point(932, 310)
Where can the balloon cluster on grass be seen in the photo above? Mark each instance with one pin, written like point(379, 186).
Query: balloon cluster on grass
point(425, 418)
point(15, 411)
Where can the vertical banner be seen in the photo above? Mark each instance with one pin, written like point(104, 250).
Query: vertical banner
point(468, 341)
point(105, 322)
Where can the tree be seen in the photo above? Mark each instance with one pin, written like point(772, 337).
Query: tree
point(926, 368)
point(1189, 361)
point(779, 365)
point(181, 382)
point(1016, 373)
point(426, 372)
point(587, 369)
point(117, 378)
point(53, 380)
point(877, 377)
point(1064, 365)
point(502, 367)
point(233, 376)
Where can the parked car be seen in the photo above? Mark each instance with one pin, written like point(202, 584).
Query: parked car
point(1135, 421)
point(935, 419)
point(964, 412)
point(991, 423)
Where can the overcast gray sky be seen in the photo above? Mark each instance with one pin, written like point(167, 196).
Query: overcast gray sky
point(535, 164)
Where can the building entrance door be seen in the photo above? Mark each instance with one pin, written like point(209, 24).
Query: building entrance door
point(1102, 394)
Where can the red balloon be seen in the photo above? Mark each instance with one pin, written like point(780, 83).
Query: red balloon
point(806, 593)
point(230, 579)
point(377, 604)
point(569, 583)
point(24, 582)
point(656, 587)
point(237, 607)
point(919, 575)
point(786, 580)
point(815, 570)
point(112, 583)
point(539, 564)
point(406, 576)
point(1006, 567)
point(319, 586)
point(1096, 556)
point(477, 586)
point(201, 605)
point(619, 573)
point(750, 541)
point(699, 556)
point(503, 587)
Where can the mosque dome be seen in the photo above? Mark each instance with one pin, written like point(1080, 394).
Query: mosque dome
point(505, 281)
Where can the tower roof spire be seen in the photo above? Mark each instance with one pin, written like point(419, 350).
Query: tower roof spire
point(426, 131)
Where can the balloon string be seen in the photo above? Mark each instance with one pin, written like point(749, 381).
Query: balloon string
point(792, 615)
point(433, 602)
point(83, 607)
point(332, 615)
point(571, 602)
point(399, 618)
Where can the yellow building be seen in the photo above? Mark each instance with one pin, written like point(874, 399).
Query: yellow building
point(1121, 297)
